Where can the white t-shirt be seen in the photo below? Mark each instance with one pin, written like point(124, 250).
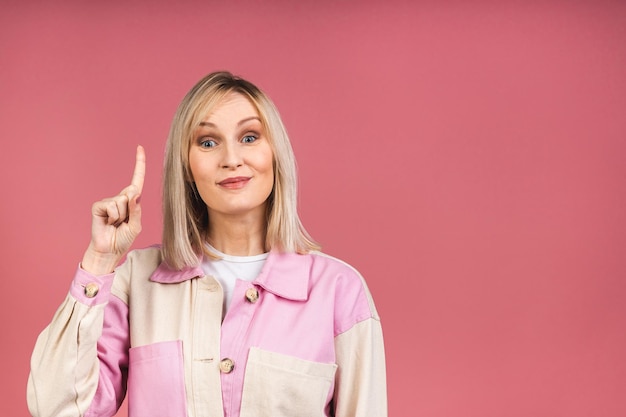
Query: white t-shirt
point(230, 268)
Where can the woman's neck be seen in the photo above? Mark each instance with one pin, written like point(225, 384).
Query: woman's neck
point(234, 235)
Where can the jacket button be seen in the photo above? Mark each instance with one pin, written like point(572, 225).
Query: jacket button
point(252, 295)
point(91, 290)
point(227, 365)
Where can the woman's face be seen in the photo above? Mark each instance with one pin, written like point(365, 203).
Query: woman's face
point(231, 160)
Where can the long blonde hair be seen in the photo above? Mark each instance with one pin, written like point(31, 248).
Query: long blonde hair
point(185, 216)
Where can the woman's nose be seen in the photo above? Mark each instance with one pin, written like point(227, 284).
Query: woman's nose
point(231, 157)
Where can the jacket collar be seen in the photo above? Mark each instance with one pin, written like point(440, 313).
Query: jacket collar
point(283, 274)
point(286, 275)
point(166, 275)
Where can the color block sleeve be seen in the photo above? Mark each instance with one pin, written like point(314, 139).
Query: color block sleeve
point(78, 365)
point(360, 384)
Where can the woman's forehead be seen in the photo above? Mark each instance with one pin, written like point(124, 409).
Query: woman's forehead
point(233, 106)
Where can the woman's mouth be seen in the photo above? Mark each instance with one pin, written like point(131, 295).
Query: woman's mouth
point(234, 183)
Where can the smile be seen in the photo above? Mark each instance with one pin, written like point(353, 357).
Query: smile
point(234, 182)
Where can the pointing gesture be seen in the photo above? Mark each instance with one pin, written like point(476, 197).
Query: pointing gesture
point(116, 222)
point(140, 170)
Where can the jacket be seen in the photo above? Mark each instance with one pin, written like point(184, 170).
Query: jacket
point(302, 339)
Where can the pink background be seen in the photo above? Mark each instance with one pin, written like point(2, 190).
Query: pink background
point(467, 157)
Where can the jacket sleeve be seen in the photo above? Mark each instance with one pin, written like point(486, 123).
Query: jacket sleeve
point(360, 382)
point(360, 385)
point(80, 360)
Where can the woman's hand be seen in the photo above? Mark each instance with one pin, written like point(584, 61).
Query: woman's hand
point(115, 223)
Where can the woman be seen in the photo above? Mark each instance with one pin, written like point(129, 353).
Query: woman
point(236, 313)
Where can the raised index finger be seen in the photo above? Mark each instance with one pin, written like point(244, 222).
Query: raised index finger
point(140, 169)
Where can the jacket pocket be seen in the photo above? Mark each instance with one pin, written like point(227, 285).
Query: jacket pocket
point(277, 385)
point(156, 380)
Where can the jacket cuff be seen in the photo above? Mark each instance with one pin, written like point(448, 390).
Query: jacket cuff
point(90, 289)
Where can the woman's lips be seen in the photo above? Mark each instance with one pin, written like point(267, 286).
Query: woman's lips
point(234, 182)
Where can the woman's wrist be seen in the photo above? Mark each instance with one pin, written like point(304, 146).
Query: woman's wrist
point(98, 263)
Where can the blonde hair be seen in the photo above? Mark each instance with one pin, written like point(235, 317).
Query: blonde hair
point(185, 216)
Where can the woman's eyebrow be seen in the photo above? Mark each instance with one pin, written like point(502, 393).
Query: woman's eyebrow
point(242, 121)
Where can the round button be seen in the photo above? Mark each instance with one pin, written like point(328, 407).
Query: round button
point(91, 290)
point(252, 295)
point(227, 365)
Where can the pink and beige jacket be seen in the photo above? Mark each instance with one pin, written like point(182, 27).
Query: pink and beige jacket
point(302, 339)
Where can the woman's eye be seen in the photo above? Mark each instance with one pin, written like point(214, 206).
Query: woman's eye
point(248, 139)
point(207, 143)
